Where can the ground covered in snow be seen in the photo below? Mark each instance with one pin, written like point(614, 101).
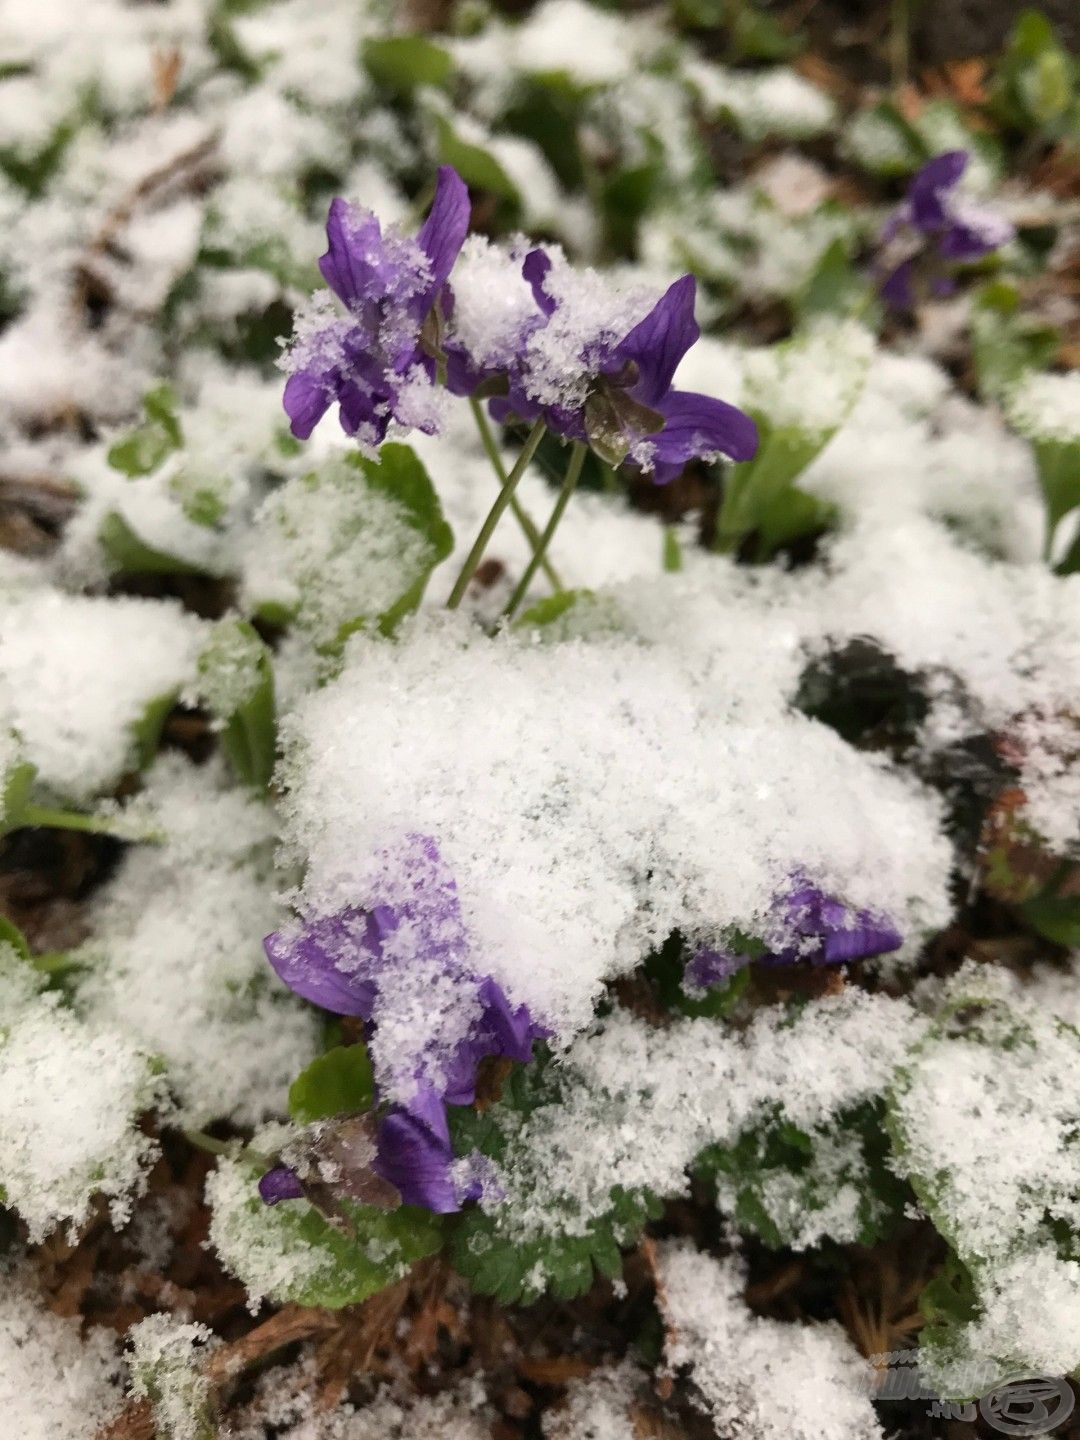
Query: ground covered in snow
point(643, 973)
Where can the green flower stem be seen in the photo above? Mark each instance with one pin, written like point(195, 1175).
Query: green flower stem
point(573, 472)
point(39, 815)
point(529, 527)
point(502, 500)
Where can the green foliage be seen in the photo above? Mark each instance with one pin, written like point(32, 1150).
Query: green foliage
point(834, 287)
point(1058, 464)
point(335, 1266)
point(126, 554)
point(146, 731)
point(1036, 89)
point(400, 474)
point(776, 1178)
point(236, 679)
point(17, 785)
point(146, 447)
point(752, 32)
point(1006, 341)
point(337, 1083)
point(401, 63)
point(490, 1249)
point(477, 167)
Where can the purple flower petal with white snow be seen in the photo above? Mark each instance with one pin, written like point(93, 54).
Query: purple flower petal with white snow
point(416, 1157)
point(818, 928)
point(593, 381)
point(376, 361)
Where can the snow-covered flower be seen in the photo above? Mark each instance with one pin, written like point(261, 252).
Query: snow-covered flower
point(806, 925)
point(358, 962)
point(596, 375)
point(937, 226)
point(377, 362)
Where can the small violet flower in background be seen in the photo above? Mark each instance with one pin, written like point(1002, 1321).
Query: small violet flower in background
point(377, 362)
point(807, 925)
point(937, 227)
point(405, 968)
point(614, 391)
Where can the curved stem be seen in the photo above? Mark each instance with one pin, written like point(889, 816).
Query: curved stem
point(40, 815)
point(573, 472)
point(529, 527)
point(502, 500)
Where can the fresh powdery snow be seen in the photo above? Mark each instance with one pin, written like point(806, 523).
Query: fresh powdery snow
point(175, 954)
point(589, 798)
point(54, 1385)
point(760, 1379)
point(112, 662)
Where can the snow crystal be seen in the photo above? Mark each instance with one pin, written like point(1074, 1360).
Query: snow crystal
point(760, 1379)
point(175, 953)
point(809, 384)
point(70, 1097)
point(599, 1407)
point(108, 662)
point(493, 303)
point(53, 1385)
point(1046, 407)
point(641, 1104)
point(766, 102)
point(166, 1370)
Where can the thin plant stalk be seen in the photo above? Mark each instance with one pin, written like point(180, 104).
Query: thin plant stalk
point(494, 515)
point(573, 473)
point(529, 527)
point(40, 815)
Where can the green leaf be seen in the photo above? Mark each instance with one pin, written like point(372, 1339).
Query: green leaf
point(18, 783)
point(1058, 464)
point(128, 555)
point(672, 552)
point(1056, 918)
point(400, 473)
point(317, 1263)
point(1035, 88)
point(489, 1248)
point(477, 167)
point(236, 681)
point(550, 609)
point(10, 934)
point(834, 287)
point(400, 63)
point(337, 1083)
point(497, 1261)
point(147, 446)
point(1006, 341)
point(146, 731)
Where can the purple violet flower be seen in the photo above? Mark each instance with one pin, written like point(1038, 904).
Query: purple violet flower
point(596, 377)
point(807, 925)
point(935, 228)
point(280, 1183)
point(816, 927)
point(377, 361)
point(405, 967)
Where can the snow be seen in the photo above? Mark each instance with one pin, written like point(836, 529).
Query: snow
point(573, 860)
point(760, 1379)
point(54, 1385)
point(640, 1104)
point(175, 952)
point(71, 1094)
point(109, 662)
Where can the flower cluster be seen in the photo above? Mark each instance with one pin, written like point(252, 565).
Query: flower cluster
point(405, 969)
point(570, 347)
point(937, 227)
